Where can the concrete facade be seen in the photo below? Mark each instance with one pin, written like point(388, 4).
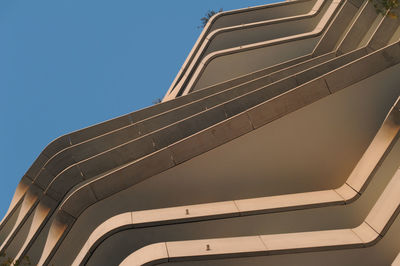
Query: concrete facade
point(277, 143)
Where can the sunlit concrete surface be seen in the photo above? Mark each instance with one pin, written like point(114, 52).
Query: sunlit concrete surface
point(278, 135)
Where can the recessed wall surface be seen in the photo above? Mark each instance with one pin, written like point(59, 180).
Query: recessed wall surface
point(229, 66)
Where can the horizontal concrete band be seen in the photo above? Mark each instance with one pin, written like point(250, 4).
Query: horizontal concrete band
point(245, 19)
point(379, 147)
point(214, 24)
point(372, 229)
point(360, 31)
point(331, 36)
point(262, 245)
point(367, 233)
point(316, 31)
point(326, 45)
point(366, 16)
point(210, 43)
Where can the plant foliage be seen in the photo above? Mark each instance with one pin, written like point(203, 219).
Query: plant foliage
point(156, 101)
point(207, 17)
point(8, 261)
point(385, 7)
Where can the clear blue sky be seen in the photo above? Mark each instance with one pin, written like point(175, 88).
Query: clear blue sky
point(65, 65)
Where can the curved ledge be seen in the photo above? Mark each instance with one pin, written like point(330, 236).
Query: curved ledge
point(212, 37)
point(351, 39)
point(368, 233)
point(318, 30)
point(325, 45)
point(371, 160)
point(211, 25)
point(82, 197)
point(155, 253)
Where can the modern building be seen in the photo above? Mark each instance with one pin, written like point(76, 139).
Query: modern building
point(276, 144)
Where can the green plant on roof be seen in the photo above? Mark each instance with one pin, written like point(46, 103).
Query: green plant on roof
point(385, 7)
point(8, 261)
point(207, 17)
